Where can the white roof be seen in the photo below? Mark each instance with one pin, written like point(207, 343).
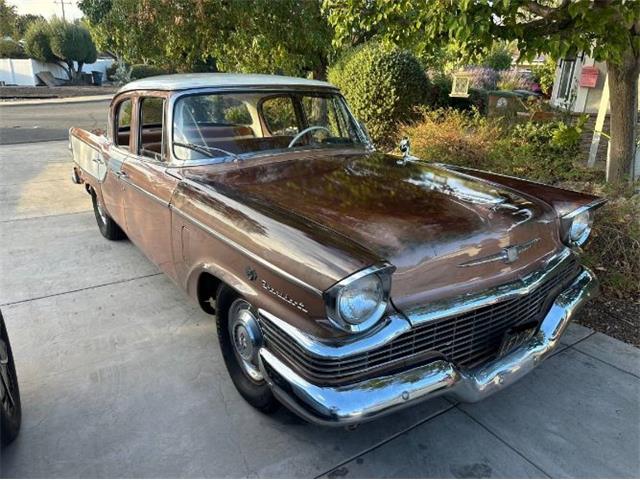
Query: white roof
point(185, 81)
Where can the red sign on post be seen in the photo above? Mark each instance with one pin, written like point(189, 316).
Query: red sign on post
point(589, 77)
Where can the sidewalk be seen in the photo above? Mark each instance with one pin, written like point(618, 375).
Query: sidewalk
point(45, 101)
point(22, 95)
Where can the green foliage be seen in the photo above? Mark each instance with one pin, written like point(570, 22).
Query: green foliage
point(498, 58)
point(545, 75)
point(8, 18)
point(603, 29)
point(286, 36)
point(568, 136)
point(71, 42)
point(37, 42)
point(14, 25)
point(23, 22)
point(143, 71)
point(382, 86)
point(546, 152)
point(11, 49)
point(61, 42)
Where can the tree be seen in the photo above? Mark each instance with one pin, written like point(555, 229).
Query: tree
point(23, 22)
point(8, 18)
point(67, 44)
point(285, 36)
point(608, 30)
point(72, 45)
point(37, 43)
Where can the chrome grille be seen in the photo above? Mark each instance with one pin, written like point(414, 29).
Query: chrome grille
point(467, 340)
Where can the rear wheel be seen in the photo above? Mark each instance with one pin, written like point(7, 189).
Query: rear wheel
point(108, 228)
point(10, 407)
point(240, 337)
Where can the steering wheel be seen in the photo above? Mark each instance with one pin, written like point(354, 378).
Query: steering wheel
point(305, 131)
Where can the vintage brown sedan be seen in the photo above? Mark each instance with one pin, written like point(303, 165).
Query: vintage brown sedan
point(346, 283)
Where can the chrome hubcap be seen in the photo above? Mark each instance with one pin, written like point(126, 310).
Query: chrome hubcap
point(247, 338)
point(101, 212)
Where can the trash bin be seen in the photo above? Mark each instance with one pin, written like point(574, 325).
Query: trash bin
point(97, 77)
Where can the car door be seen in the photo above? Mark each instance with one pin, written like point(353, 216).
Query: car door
point(122, 143)
point(148, 186)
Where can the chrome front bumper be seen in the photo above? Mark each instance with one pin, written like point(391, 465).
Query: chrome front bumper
point(372, 398)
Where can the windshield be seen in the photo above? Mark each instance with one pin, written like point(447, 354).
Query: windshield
point(224, 125)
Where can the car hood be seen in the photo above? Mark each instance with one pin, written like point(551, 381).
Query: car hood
point(431, 223)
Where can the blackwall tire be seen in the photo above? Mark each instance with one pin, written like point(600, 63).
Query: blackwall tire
point(108, 228)
point(254, 390)
point(10, 407)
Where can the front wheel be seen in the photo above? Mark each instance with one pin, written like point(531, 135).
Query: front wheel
point(240, 337)
point(10, 408)
point(108, 228)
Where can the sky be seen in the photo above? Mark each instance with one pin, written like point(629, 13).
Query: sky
point(47, 8)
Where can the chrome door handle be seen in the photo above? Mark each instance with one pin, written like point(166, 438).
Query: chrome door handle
point(122, 174)
point(97, 160)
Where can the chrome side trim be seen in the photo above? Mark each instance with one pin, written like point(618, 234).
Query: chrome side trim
point(164, 203)
point(396, 324)
point(590, 206)
point(245, 251)
point(372, 398)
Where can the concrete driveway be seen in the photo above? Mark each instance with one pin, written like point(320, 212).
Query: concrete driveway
point(121, 375)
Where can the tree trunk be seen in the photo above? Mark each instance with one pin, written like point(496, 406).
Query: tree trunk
point(623, 96)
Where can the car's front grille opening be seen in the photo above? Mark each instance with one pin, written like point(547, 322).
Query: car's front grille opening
point(468, 339)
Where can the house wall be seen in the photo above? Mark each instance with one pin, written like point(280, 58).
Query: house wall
point(21, 71)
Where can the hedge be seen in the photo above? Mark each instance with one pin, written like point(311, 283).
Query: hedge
point(382, 86)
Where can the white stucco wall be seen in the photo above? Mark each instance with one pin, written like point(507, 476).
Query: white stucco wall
point(22, 71)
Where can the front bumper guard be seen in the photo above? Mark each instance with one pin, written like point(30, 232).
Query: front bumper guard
point(372, 398)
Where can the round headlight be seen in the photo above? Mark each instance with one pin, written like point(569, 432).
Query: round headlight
point(580, 228)
point(361, 299)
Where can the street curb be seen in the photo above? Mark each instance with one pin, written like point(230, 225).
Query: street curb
point(47, 101)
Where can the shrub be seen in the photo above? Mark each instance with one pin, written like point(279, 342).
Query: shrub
point(11, 49)
point(513, 80)
point(37, 43)
point(382, 87)
point(483, 78)
point(545, 75)
point(498, 59)
point(452, 136)
point(141, 70)
point(614, 248)
point(111, 70)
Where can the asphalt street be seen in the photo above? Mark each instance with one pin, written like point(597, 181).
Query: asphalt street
point(121, 374)
point(49, 121)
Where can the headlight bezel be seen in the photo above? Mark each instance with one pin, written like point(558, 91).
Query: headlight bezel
point(585, 215)
point(331, 296)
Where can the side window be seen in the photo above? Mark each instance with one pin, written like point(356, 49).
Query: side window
point(123, 124)
point(151, 124)
point(280, 116)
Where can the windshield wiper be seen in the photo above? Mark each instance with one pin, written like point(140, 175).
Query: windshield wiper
point(206, 149)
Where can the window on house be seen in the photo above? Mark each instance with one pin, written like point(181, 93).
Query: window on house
point(566, 78)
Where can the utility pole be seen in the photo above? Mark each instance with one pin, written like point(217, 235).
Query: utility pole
point(62, 4)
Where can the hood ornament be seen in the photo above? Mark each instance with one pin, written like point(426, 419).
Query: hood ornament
point(405, 148)
point(508, 254)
